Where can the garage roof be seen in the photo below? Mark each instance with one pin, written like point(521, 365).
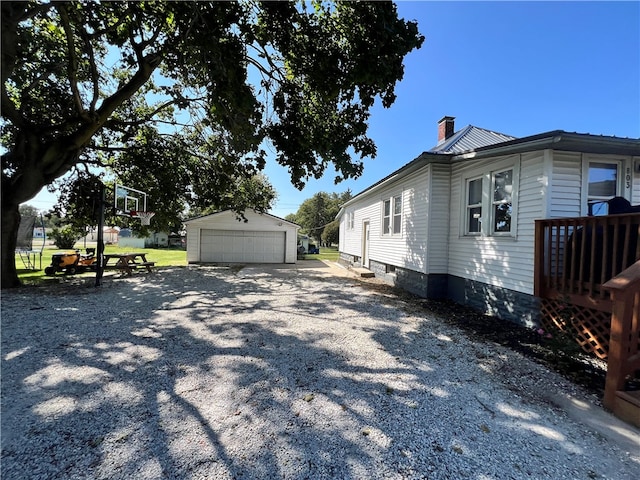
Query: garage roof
point(239, 216)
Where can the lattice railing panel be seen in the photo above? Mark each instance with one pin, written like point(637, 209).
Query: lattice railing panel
point(589, 327)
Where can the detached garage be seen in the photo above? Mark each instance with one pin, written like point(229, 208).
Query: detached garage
point(222, 238)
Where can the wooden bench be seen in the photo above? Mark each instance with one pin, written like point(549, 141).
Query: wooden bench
point(131, 266)
point(147, 265)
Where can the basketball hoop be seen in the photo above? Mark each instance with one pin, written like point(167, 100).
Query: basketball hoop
point(145, 217)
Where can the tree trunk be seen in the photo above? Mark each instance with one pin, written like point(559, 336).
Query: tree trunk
point(10, 224)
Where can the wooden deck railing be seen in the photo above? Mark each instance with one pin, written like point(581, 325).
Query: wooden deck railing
point(624, 359)
point(576, 256)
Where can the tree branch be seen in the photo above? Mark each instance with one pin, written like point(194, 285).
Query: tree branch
point(262, 52)
point(9, 110)
point(111, 103)
point(100, 148)
point(149, 116)
point(72, 66)
point(95, 76)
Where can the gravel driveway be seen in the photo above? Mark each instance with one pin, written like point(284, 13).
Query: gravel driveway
point(215, 373)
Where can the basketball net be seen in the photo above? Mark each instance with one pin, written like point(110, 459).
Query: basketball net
point(145, 217)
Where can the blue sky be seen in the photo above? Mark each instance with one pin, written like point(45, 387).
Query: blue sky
point(519, 68)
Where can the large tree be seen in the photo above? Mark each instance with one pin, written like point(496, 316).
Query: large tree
point(84, 82)
point(319, 211)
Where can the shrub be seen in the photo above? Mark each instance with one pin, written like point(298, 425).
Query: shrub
point(65, 237)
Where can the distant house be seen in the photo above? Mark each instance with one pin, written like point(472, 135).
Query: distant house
point(126, 238)
point(459, 221)
point(224, 238)
point(110, 235)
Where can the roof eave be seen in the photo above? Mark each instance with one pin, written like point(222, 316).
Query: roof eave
point(417, 163)
point(557, 140)
point(221, 212)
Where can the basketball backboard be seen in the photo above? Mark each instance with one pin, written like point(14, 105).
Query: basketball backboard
point(128, 199)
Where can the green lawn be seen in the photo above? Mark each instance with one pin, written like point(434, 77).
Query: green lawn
point(163, 257)
point(326, 253)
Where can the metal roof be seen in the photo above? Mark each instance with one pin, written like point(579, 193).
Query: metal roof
point(470, 138)
point(458, 148)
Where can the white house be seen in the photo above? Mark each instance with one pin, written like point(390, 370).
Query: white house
point(458, 221)
point(224, 237)
point(155, 239)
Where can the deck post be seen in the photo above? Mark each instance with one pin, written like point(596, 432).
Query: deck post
point(625, 293)
point(539, 256)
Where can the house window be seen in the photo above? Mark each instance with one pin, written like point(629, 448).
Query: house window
point(489, 202)
point(603, 184)
point(386, 217)
point(502, 183)
point(397, 214)
point(350, 220)
point(474, 206)
point(392, 215)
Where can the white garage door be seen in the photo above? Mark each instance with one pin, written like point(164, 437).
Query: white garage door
point(242, 246)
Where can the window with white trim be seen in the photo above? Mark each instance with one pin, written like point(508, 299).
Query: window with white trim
point(488, 205)
point(474, 207)
point(603, 183)
point(397, 214)
point(386, 217)
point(350, 220)
point(392, 215)
point(502, 201)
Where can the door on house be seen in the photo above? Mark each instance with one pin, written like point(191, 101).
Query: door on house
point(365, 245)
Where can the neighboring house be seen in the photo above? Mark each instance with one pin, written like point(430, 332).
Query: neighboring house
point(155, 239)
point(459, 220)
point(223, 237)
point(110, 235)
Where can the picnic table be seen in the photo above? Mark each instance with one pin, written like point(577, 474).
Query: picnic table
point(127, 262)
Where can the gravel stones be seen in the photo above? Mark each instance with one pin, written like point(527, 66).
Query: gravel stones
point(208, 372)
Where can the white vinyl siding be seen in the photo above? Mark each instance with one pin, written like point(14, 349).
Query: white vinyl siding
point(547, 184)
point(565, 185)
point(406, 249)
point(438, 219)
point(504, 261)
point(569, 182)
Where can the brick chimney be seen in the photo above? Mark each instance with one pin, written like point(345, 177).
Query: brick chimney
point(445, 128)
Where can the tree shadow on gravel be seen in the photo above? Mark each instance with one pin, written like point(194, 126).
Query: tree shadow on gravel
point(560, 354)
point(227, 376)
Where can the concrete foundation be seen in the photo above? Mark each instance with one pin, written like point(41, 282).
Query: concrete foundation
point(501, 302)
